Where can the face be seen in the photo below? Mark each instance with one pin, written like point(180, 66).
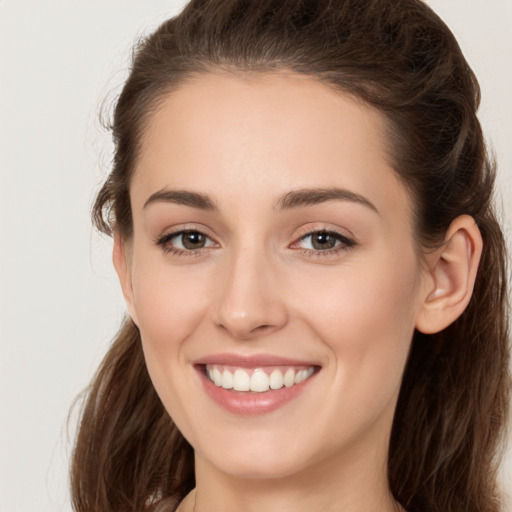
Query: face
point(272, 272)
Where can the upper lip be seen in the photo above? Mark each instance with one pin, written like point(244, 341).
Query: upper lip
point(251, 361)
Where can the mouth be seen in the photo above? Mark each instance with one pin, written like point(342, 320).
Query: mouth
point(250, 386)
point(257, 380)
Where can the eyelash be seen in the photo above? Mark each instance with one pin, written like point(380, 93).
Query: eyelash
point(168, 248)
point(343, 243)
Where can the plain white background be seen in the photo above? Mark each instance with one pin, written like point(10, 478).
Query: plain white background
point(59, 300)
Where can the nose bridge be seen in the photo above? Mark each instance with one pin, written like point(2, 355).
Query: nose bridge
point(250, 302)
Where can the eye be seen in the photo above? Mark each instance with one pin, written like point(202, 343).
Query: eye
point(323, 241)
point(185, 241)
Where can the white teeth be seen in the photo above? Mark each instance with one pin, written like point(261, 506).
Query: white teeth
point(289, 378)
point(227, 379)
point(259, 381)
point(276, 379)
point(256, 380)
point(217, 377)
point(241, 380)
point(302, 375)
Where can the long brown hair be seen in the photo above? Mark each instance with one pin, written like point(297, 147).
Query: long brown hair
point(399, 57)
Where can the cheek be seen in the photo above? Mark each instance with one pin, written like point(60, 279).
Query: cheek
point(366, 318)
point(170, 305)
point(378, 294)
point(169, 302)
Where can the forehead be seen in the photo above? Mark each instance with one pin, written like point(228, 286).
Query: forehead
point(262, 135)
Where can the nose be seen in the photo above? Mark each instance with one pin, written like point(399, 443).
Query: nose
point(252, 300)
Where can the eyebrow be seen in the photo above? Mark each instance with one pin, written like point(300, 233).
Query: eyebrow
point(293, 199)
point(182, 197)
point(313, 196)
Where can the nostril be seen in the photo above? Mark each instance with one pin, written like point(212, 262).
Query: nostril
point(263, 328)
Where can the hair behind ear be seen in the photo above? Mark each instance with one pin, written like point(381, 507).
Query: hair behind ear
point(454, 399)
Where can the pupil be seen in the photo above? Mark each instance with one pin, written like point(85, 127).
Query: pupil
point(323, 241)
point(193, 240)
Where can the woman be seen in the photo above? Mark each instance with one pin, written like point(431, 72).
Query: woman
point(301, 206)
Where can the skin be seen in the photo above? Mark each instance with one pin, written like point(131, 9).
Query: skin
point(259, 286)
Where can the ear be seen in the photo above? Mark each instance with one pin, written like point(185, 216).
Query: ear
point(122, 263)
point(450, 276)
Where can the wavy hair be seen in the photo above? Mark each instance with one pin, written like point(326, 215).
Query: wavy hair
point(400, 58)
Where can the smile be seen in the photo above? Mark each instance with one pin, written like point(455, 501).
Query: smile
point(258, 380)
point(257, 384)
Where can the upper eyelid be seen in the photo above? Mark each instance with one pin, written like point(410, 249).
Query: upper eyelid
point(328, 231)
point(307, 231)
point(172, 234)
point(169, 232)
point(343, 240)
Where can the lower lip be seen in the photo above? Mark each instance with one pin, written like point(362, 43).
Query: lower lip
point(247, 403)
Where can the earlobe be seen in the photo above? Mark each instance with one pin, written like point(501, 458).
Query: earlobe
point(121, 260)
point(451, 276)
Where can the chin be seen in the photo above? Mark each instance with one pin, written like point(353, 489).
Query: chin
point(265, 458)
point(258, 467)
